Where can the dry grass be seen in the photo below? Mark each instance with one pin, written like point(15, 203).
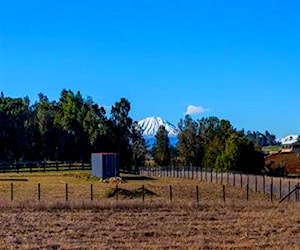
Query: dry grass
point(156, 223)
point(53, 188)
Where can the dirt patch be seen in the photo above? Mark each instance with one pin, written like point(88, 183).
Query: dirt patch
point(290, 161)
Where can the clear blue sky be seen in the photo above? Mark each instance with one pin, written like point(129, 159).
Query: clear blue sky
point(237, 60)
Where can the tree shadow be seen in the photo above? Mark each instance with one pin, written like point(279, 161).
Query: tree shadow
point(137, 178)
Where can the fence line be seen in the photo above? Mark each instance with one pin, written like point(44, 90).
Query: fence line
point(30, 167)
point(269, 185)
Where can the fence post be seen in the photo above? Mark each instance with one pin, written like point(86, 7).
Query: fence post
point(241, 177)
point(143, 192)
point(171, 195)
point(39, 191)
point(11, 191)
point(211, 175)
point(92, 196)
point(56, 166)
point(67, 198)
point(216, 176)
point(224, 198)
point(255, 183)
point(280, 192)
point(234, 179)
point(271, 189)
point(247, 191)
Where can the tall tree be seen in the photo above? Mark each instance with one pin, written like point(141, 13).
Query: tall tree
point(138, 147)
point(121, 125)
point(189, 146)
point(162, 147)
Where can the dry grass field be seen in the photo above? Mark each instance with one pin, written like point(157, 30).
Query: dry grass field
point(156, 223)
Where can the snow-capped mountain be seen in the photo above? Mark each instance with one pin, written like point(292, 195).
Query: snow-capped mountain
point(150, 126)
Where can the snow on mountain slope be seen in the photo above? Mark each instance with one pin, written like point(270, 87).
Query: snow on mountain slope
point(150, 126)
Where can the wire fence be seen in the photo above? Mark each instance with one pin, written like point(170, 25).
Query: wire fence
point(277, 187)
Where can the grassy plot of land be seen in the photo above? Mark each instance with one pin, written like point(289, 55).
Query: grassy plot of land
point(53, 188)
point(130, 223)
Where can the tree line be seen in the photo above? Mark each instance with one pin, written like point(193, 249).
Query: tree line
point(67, 130)
point(212, 143)
point(73, 127)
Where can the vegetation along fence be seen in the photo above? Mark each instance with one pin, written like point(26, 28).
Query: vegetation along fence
point(279, 187)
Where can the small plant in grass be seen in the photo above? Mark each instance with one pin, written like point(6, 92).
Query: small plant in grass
point(126, 193)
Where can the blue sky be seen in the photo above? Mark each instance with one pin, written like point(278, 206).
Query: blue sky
point(237, 60)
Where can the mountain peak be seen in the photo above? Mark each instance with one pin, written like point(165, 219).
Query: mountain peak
point(151, 124)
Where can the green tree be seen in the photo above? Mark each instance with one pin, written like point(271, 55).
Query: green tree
point(240, 155)
point(139, 149)
point(162, 147)
point(121, 127)
point(189, 146)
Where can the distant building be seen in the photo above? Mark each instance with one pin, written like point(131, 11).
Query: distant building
point(291, 144)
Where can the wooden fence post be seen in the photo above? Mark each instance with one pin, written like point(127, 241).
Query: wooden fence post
point(271, 189)
point(39, 191)
point(234, 179)
point(11, 191)
point(280, 192)
point(171, 195)
point(211, 175)
point(92, 193)
point(67, 195)
point(255, 183)
point(241, 177)
point(143, 192)
point(247, 191)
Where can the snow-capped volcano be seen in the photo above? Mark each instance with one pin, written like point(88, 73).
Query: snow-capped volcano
point(150, 126)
